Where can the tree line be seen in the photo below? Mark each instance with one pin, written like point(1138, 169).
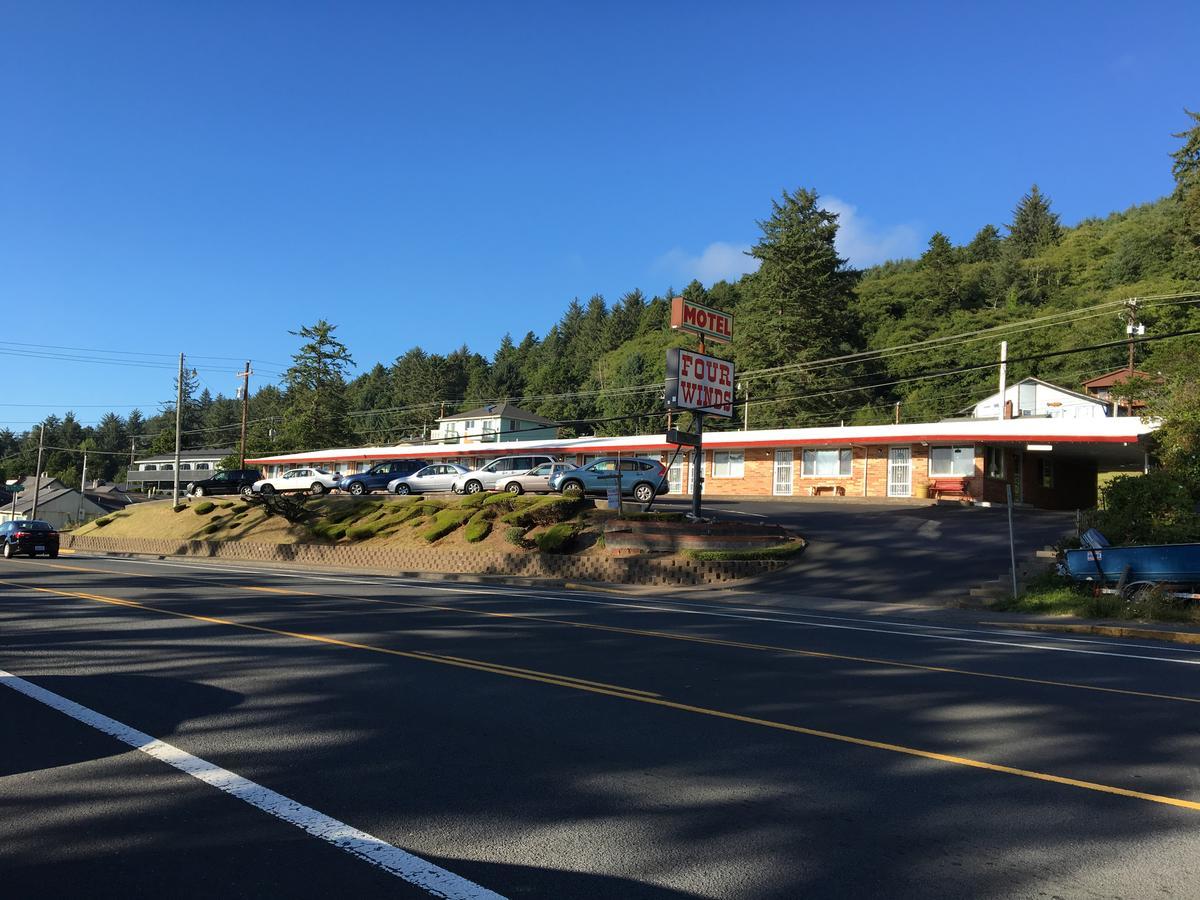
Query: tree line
point(599, 369)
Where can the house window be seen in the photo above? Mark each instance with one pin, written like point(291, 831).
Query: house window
point(952, 461)
point(827, 463)
point(149, 467)
point(204, 466)
point(1027, 399)
point(995, 462)
point(1047, 473)
point(183, 466)
point(729, 464)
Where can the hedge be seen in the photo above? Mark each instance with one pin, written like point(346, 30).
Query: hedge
point(445, 522)
point(781, 551)
point(479, 527)
point(546, 511)
point(556, 538)
point(204, 507)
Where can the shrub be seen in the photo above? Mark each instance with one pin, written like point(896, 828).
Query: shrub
point(100, 523)
point(782, 551)
point(474, 501)
point(179, 507)
point(545, 511)
point(1155, 508)
point(516, 536)
point(212, 527)
point(556, 538)
point(479, 527)
point(504, 500)
point(445, 522)
point(204, 507)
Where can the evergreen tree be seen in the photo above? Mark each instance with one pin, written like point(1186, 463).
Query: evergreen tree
point(316, 382)
point(985, 246)
point(798, 308)
point(943, 283)
point(1186, 170)
point(1034, 226)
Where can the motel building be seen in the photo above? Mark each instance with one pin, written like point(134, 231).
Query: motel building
point(1050, 449)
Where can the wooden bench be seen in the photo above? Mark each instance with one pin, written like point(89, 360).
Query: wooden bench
point(955, 486)
point(836, 489)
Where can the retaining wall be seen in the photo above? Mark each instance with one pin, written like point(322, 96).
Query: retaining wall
point(620, 570)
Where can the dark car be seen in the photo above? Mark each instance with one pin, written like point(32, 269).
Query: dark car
point(377, 477)
point(230, 481)
point(28, 536)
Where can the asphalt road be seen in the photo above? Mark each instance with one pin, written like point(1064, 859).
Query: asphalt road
point(573, 744)
point(892, 552)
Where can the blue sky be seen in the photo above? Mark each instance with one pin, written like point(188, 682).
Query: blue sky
point(206, 176)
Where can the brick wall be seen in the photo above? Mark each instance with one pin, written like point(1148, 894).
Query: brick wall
point(627, 570)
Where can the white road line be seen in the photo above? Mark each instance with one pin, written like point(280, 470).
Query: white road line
point(437, 881)
point(1048, 644)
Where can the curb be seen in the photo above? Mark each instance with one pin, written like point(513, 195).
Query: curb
point(1150, 634)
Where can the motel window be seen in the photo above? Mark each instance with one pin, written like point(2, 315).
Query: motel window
point(166, 467)
point(150, 467)
point(827, 463)
point(1047, 473)
point(729, 464)
point(995, 462)
point(202, 466)
point(183, 466)
point(951, 460)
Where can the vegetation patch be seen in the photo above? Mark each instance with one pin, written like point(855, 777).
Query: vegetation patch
point(479, 527)
point(1051, 593)
point(212, 527)
point(179, 507)
point(100, 523)
point(204, 507)
point(557, 538)
point(445, 522)
point(516, 536)
point(545, 511)
point(781, 551)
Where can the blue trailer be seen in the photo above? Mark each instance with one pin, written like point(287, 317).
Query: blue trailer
point(1133, 567)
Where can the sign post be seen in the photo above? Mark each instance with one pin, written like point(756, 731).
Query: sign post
point(699, 383)
point(14, 487)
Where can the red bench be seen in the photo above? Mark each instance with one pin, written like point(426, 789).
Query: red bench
point(955, 486)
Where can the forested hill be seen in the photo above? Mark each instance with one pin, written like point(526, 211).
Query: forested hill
point(815, 341)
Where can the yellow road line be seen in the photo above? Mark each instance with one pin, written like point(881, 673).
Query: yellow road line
point(654, 700)
point(694, 639)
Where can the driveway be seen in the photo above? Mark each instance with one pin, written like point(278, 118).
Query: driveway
point(895, 553)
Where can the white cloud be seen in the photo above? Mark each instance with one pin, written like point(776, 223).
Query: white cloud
point(863, 243)
point(718, 261)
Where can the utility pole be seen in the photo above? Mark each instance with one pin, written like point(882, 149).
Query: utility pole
point(37, 475)
point(1003, 376)
point(245, 376)
point(746, 395)
point(178, 433)
point(897, 412)
point(1133, 328)
point(82, 485)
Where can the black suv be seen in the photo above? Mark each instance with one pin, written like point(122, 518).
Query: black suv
point(31, 536)
point(377, 477)
point(230, 481)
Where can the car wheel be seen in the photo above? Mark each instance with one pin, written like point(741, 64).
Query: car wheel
point(8, 550)
point(247, 491)
point(403, 488)
point(514, 487)
point(197, 491)
point(472, 487)
point(53, 554)
point(356, 488)
point(268, 488)
point(643, 493)
point(573, 487)
point(317, 489)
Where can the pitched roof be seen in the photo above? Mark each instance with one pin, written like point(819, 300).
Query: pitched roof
point(201, 453)
point(1111, 378)
point(1031, 378)
point(505, 409)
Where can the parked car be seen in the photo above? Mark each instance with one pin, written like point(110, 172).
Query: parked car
point(230, 481)
point(28, 536)
point(642, 479)
point(485, 477)
point(311, 479)
point(536, 479)
point(436, 477)
point(380, 476)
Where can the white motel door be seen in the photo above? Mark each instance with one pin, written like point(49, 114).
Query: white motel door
point(783, 473)
point(681, 476)
point(900, 472)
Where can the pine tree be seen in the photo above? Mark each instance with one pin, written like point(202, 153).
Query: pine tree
point(798, 308)
point(943, 283)
point(985, 246)
point(316, 382)
point(1034, 226)
point(1186, 170)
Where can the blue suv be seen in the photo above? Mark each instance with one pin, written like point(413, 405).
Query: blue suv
point(377, 477)
point(642, 479)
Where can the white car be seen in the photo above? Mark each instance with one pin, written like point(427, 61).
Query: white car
point(438, 477)
point(313, 480)
point(486, 477)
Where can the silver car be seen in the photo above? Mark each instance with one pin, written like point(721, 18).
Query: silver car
point(536, 479)
point(486, 477)
point(436, 477)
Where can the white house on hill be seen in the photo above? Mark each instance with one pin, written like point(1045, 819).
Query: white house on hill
point(1032, 397)
point(494, 422)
